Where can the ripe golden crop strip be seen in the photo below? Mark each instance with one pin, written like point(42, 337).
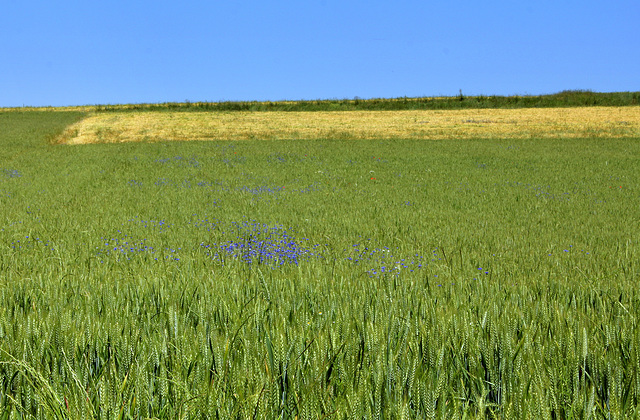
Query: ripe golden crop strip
point(473, 123)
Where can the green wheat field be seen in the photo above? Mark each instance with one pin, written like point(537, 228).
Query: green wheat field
point(317, 279)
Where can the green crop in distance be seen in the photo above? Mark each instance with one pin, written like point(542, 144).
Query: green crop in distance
point(284, 279)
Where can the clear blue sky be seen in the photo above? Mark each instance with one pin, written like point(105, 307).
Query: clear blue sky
point(108, 52)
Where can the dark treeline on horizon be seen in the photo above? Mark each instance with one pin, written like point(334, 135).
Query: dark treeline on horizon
point(571, 98)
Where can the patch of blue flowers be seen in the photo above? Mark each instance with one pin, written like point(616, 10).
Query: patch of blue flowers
point(482, 271)
point(29, 242)
point(276, 158)
point(180, 161)
point(384, 261)
point(19, 222)
point(540, 191)
point(313, 187)
point(570, 250)
point(256, 243)
point(262, 189)
point(233, 161)
point(159, 225)
point(126, 246)
point(11, 173)
point(205, 223)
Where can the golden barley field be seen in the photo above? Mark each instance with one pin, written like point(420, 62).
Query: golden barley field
point(117, 127)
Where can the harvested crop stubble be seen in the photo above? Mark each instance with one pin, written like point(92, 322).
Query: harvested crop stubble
point(472, 123)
